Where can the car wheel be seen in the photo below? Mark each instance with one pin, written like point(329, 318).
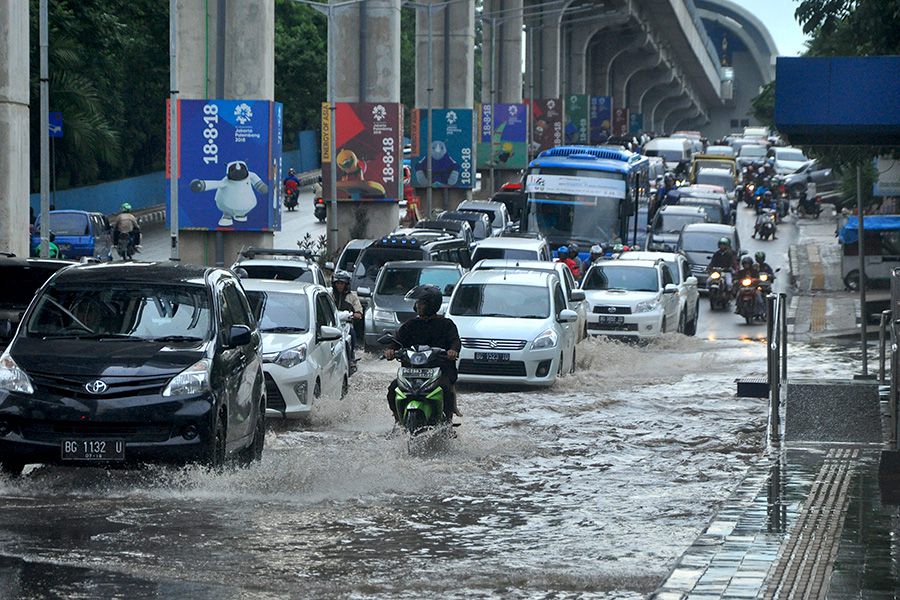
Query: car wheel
point(317, 389)
point(559, 369)
point(215, 451)
point(851, 280)
point(662, 328)
point(254, 451)
point(692, 327)
point(572, 370)
point(12, 468)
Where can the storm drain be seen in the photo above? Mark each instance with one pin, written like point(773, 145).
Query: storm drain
point(805, 561)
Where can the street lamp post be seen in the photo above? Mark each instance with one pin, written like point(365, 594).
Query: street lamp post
point(45, 130)
point(173, 129)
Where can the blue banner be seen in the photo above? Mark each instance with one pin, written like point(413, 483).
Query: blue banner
point(230, 155)
point(635, 123)
point(451, 148)
point(601, 118)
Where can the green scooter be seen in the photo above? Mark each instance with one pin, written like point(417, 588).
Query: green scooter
point(419, 399)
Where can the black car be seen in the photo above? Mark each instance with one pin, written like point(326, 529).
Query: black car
point(20, 279)
point(131, 363)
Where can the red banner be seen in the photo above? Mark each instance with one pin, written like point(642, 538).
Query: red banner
point(620, 121)
point(546, 123)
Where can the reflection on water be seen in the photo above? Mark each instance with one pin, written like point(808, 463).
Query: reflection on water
point(593, 488)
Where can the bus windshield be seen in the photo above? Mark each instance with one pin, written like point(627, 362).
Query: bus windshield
point(575, 204)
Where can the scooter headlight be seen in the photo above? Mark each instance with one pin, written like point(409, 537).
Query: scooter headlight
point(763, 277)
point(715, 275)
point(746, 282)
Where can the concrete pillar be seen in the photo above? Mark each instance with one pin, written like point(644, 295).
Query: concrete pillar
point(503, 17)
point(646, 64)
point(653, 93)
point(367, 69)
point(675, 98)
point(453, 68)
point(248, 66)
point(14, 128)
point(547, 68)
point(627, 46)
point(601, 48)
point(579, 38)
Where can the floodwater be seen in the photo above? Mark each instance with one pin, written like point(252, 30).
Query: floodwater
point(592, 490)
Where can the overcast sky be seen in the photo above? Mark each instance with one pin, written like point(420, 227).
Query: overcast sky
point(778, 17)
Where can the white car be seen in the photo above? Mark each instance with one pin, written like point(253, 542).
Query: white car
point(575, 296)
point(496, 212)
point(788, 159)
point(304, 346)
point(634, 298)
point(688, 293)
point(512, 248)
point(283, 265)
point(515, 328)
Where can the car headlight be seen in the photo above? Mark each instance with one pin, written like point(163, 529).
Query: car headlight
point(384, 315)
point(191, 381)
point(12, 378)
point(547, 339)
point(291, 357)
point(646, 306)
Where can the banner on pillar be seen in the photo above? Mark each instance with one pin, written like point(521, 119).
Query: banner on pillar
point(546, 124)
point(620, 121)
point(635, 123)
point(369, 161)
point(502, 136)
point(601, 118)
point(451, 148)
point(577, 122)
point(229, 160)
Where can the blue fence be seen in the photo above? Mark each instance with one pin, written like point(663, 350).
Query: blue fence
point(150, 190)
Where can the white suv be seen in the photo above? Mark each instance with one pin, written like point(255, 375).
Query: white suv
point(688, 292)
point(631, 298)
point(512, 248)
point(515, 327)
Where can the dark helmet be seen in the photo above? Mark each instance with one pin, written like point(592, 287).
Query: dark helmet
point(746, 262)
point(761, 256)
point(52, 237)
point(767, 194)
point(669, 178)
point(573, 248)
point(241, 273)
point(340, 275)
point(291, 171)
point(430, 295)
point(724, 241)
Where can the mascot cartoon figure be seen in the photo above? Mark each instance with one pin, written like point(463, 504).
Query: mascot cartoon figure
point(235, 195)
point(444, 170)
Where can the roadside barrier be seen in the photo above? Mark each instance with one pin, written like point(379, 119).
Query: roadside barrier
point(776, 355)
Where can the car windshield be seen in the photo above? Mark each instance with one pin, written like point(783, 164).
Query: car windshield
point(790, 155)
point(20, 283)
point(634, 279)
point(724, 180)
point(494, 216)
point(700, 241)
point(396, 282)
point(507, 253)
point(146, 311)
point(288, 272)
point(753, 151)
point(279, 312)
point(373, 259)
point(666, 155)
point(713, 210)
point(69, 224)
point(674, 223)
point(348, 258)
point(720, 151)
point(501, 300)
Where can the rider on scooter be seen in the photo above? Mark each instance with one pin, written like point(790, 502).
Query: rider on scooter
point(126, 223)
point(726, 259)
point(429, 329)
point(762, 266)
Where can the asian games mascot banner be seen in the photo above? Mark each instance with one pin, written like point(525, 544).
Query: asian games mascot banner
point(230, 154)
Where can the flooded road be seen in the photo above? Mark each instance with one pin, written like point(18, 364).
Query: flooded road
point(591, 489)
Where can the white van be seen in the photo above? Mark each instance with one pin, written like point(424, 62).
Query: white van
point(675, 151)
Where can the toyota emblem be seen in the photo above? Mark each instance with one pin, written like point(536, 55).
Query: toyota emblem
point(96, 387)
point(612, 309)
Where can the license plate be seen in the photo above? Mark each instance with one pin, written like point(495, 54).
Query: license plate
point(492, 356)
point(93, 449)
point(608, 320)
point(417, 373)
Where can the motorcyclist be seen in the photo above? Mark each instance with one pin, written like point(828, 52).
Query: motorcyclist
point(725, 258)
point(573, 255)
point(762, 266)
point(808, 197)
point(562, 255)
point(125, 223)
point(292, 184)
point(52, 248)
point(663, 191)
point(345, 299)
point(429, 329)
point(748, 269)
point(317, 188)
point(596, 254)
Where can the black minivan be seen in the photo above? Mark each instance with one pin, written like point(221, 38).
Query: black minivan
point(131, 363)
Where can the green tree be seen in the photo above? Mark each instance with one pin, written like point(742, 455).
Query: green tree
point(763, 106)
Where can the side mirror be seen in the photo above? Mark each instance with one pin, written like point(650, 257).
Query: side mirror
point(238, 335)
point(364, 292)
point(576, 296)
point(6, 329)
point(328, 266)
point(670, 288)
point(329, 334)
point(690, 280)
point(567, 316)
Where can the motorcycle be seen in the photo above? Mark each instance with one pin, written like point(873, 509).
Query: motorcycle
point(809, 208)
point(291, 198)
point(717, 286)
point(746, 301)
point(419, 399)
point(766, 224)
point(749, 198)
point(125, 246)
point(319, 210)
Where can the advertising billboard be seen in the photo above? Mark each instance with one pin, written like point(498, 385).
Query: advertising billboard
point(230, 155)
point(502, 136)
point(546, 124)
point(368, 139)
point(601, 118)
point(577, 123)
point(451, 148)
point(635, 122)
point(620, 121)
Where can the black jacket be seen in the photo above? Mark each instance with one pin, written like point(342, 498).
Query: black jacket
point(726, 259)
point(437, 332)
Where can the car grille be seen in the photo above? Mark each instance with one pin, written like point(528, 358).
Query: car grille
point(513, 368)
point(698, 269)
point(491, 344)
point(274, 399)
point(612, 310)
point(72, 386)
point(611, 327)
point(50, 431)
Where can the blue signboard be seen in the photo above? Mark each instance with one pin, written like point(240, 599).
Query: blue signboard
point(601, 118)
point(635, 122)
point(55, 124)
point(451, 148)
point(230, 155)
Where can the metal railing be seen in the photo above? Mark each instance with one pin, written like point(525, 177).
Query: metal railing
point(776, 355)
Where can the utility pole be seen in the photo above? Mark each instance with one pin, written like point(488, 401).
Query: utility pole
point(173, 129)
point(45, 130)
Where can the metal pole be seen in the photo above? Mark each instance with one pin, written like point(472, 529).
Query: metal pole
point(333, 226)
point(220, 93)
point(45, 133)
point(493, 95)
point(783, 337)
point(862, 274)
point(428, 193)
point(894, 387)
point(882, 345)
point(772, 368)
point(174, 164)
point(529, 134)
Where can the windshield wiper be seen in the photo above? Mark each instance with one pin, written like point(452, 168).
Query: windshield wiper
point(93, 336)
point(283, 329)
point(176, 338)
